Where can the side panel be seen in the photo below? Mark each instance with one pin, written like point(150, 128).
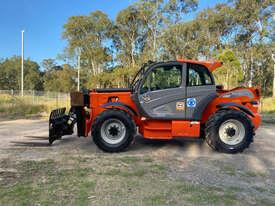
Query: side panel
point(198, 97)
point(185, 129)
point(167, 129)
point(156, 129)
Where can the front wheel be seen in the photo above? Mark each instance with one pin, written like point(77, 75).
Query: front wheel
point(113, 130)
point(229, 131)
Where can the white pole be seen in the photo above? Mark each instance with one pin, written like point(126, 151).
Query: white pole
point(22, 64)
point(78, 71)
point(273, 92)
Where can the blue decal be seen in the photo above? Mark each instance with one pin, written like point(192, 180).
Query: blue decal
point(191, 102)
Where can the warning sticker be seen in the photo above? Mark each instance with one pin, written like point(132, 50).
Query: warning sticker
point(180, 106)
point(191, 102)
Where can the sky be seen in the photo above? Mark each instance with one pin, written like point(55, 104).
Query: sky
point(43, 22)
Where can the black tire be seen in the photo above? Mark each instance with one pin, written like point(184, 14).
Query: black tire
point(123, 117)
point(51, 140)
point(202, 131)
point(212, 131)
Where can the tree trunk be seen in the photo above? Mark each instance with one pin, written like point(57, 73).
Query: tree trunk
point(132, 54)
point(273, 58)
point(227, 79)
point(274, 80)
point(93, 67)
point(251, 71)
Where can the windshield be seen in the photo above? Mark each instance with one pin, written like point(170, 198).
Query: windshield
point(139, 75)
point(137, 78)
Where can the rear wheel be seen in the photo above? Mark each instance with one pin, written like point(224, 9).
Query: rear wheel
point(113, 131)
point(229, 131)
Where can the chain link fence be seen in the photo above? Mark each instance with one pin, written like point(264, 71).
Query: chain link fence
point(54, 99)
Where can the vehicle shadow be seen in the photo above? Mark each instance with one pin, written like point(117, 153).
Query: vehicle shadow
point(34, 141)
point(30, 144)
point(142, 143)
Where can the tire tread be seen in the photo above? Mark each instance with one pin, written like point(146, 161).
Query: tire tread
point(211, 135)
point(96, 127)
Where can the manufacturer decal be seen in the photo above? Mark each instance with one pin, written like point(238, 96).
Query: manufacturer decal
point(180, 106)
point(191, 102)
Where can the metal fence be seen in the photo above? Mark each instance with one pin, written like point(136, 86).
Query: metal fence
point(56, 99)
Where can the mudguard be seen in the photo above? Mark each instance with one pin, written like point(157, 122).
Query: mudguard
point(233, 104)
point(119, 105)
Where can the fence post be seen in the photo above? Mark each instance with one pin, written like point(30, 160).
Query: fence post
point(56, 96)
point(32, 96)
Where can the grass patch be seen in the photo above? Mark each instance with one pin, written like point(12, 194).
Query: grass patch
point(138, 172)
point(158, 168)
point(233, 189)
point(230, 170)
point(268, 105)
point(272, 191)
point(253, 174)
point(157, 200)
point(130, 159)
point(25, 107)
point(227, 168)
point(260, 189)
point(106, 182)
point(17, 107)
point(148, 159)
point(206, 195)
point(265, 202)
point(112, 172)
point(42, 183)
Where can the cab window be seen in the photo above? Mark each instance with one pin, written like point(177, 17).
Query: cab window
point(198, 75)
point(165, 77)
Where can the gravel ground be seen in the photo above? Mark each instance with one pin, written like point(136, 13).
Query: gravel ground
point(251, 174)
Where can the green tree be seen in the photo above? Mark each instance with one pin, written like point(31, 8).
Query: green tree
point(159, 15)
point(230, 73)
point(201, 37)
point(238, 32)
point(60, 79)
point(89, 35)
point(10, 74)
point(129, 35)
point(48, 64)
point(253, 24)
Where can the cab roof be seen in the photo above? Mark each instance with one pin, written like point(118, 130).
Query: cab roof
point(210, 65)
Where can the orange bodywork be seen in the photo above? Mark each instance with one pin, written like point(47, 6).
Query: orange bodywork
point(167, 129)
point(152, 129)
point(210, 65)
point(241, 100)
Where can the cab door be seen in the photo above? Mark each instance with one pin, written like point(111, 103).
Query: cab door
point(200, 90)
point(162, 92)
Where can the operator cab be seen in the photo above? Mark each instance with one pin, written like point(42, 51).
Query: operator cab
point(173, 90)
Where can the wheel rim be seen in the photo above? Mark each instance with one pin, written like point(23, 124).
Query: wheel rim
point(113, 131)
point(232, 132)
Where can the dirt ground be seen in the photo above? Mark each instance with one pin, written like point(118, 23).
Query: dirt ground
point(176, 172)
